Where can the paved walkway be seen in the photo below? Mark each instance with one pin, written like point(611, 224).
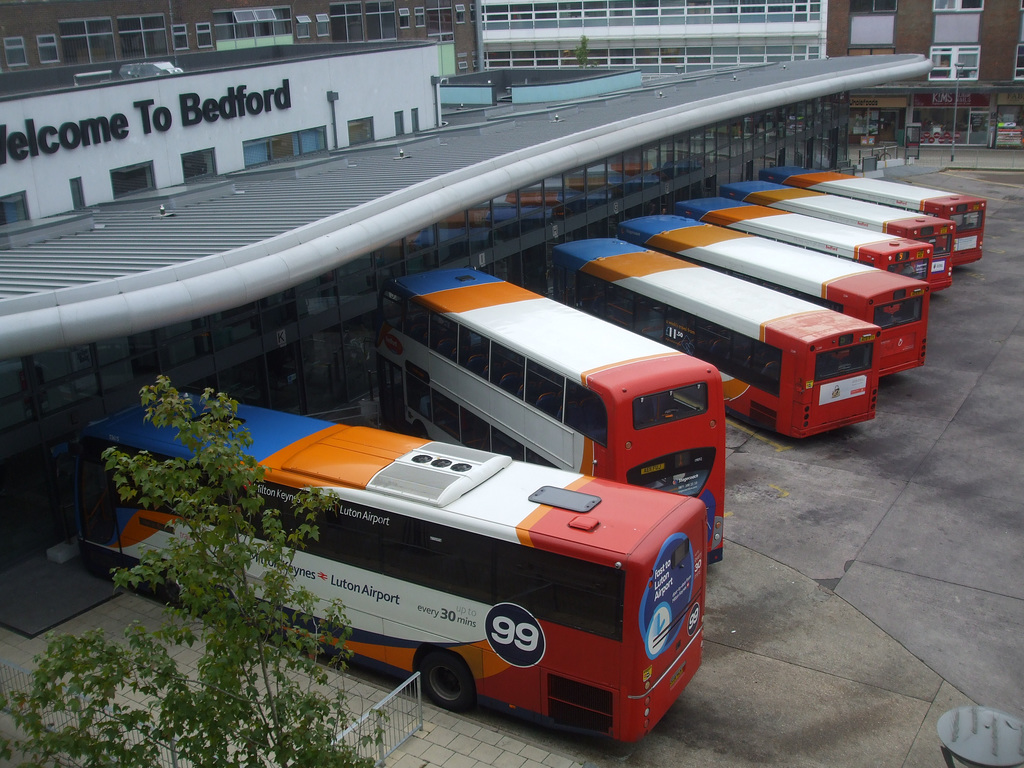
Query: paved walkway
point(446, 741)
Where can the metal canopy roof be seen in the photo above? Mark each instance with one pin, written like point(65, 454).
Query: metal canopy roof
point(251, 234)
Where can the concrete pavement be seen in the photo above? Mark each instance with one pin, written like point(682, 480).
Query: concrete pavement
point(872, 577)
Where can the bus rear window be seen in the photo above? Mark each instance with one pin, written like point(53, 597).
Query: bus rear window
point(898, 312)
point(966, 221)
point(842, 362)
point(673, 405)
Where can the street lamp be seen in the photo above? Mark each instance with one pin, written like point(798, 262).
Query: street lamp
point(956, 103)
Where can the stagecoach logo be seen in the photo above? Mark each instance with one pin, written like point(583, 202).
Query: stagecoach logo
point(393, 343)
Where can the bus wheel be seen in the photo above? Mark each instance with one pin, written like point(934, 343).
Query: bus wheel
point(447, 681)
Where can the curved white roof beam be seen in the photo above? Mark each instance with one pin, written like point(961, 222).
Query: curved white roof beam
point(124, 306)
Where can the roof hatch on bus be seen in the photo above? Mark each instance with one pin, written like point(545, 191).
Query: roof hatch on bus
point(437, 473)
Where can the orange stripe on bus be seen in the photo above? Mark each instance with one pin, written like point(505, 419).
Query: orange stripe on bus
point(339, 455)
point(619, 363)
point(532, 520)
point(639, 264)
point(770, 196)
point(810, 179)
point(734, 388)
point(143, 524)
point(694, 237)
point(475, 297)
point(742, 213)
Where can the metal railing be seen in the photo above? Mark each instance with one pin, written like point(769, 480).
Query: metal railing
point(379, 732)
point(387, 724)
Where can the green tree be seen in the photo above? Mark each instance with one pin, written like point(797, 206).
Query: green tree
point(582, 52)
point(257, 697)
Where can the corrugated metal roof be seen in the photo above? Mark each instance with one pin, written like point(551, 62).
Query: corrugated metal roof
point(131, 237)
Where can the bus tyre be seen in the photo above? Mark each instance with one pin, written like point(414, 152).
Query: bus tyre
point(447, 681)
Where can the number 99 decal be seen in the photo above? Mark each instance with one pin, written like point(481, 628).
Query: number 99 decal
point(515, 635)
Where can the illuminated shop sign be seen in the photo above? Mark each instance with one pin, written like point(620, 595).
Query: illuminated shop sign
point(33, 140)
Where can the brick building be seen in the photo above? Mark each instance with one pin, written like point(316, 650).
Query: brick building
point(102, 33)
point(977, 79)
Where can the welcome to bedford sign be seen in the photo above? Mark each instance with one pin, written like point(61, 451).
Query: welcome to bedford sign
point(192, 110)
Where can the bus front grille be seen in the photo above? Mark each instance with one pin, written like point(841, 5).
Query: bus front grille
point(578, 705)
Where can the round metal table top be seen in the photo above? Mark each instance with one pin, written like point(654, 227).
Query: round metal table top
point(983, 736)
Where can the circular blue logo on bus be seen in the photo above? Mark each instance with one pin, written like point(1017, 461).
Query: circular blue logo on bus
point(667, 597)
point(515, 635)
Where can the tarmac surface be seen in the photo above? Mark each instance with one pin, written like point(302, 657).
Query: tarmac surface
point(872, 578)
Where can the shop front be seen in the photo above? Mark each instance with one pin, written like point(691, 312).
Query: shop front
point(877, 120)
point(1009, 120)
point(946, 117)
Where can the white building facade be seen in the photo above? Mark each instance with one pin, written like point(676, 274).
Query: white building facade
point(79, 147)
point(656, 36)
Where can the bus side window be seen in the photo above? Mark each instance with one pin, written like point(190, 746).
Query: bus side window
point(545, 389)
point(506, 370)
point(446, 414)
point(590, 294)
point(392, 310)
point(620, 308)
point(474, 351)
point(416, 320)
point(507, 446)
point(417, 389)
point(585, 412)
point(474, 430)
point(650, 318)
point(444, 334)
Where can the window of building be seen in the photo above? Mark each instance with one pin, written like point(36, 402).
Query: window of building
point(440, 19)
point(360, 131)
point(872, 6)
point(202, 162)
point(47, 45)
point(302, 23)
point(179, 37)
point(86, 41)
point(414, 115)
point(132, 178)
point(958, 5)
point(403, 18)
point(955, 62)
point(77, 193)
point(380, 21)
point(873, 30)
point(323, 25)
point(460, 14)
point(13, 208)
point(1018, 73)
point(399, 123)
point(253, 23)
point(346, 22)
point(14, 51)
point(421, 16)
point(284, 145)
point(142, 37)
point(204, 35)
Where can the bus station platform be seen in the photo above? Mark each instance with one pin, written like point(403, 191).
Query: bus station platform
point(872, 578)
